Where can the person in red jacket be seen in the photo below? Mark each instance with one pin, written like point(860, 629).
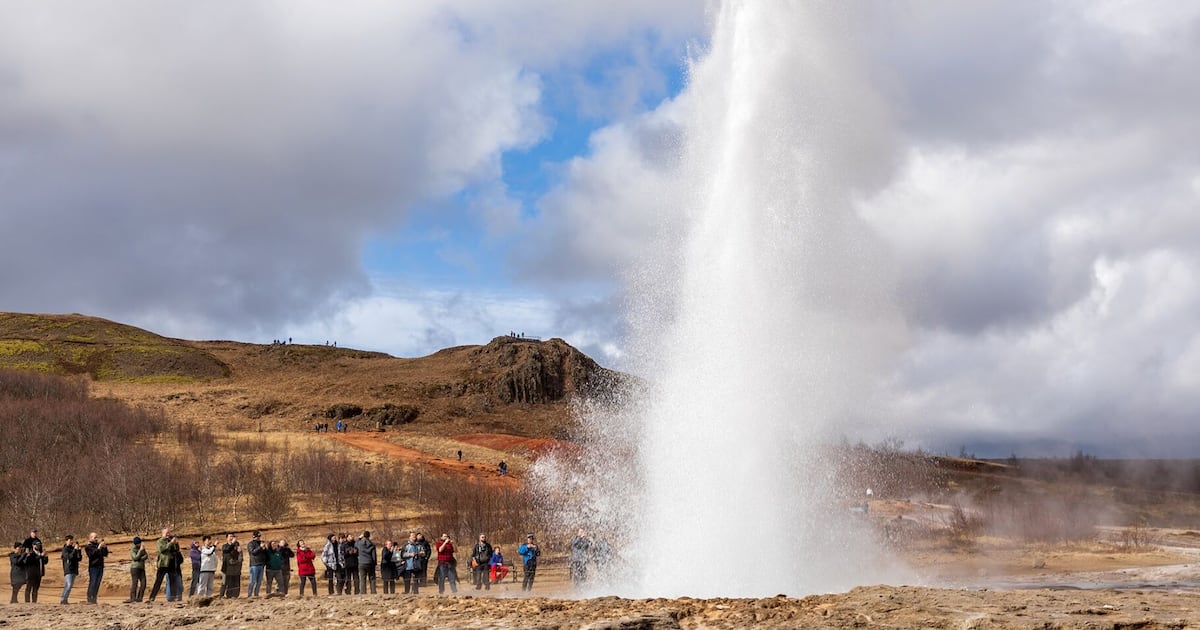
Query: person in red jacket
point(446, 571)
point(305, 568)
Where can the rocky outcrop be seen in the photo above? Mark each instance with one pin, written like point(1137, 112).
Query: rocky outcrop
point(537, 372)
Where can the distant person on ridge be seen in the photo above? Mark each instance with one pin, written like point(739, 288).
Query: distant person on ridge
point(137, 570)
point(96, 551)
point(481, 555)
point(72, 555)
point(529, 552)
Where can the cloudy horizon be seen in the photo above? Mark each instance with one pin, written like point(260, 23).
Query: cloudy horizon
point(404, 177)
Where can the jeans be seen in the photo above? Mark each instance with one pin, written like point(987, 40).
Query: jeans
point(95, 574)
point(256, 578)
point(68, 582)
point(311, 579)
point(530, 573)
point(445, 573)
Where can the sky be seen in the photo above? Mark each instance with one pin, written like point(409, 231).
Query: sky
point(407, 176)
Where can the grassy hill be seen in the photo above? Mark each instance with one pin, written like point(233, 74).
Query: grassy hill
point(510, 385)
point(101, 349)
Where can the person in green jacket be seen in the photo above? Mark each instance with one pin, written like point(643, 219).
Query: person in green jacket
point(274, 568)
point(168, 546)
point(137, 571)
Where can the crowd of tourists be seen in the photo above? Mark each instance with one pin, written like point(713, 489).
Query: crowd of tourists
point(353, 565)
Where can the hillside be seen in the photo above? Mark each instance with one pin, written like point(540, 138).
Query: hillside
point(101, 349)
point(511, 385)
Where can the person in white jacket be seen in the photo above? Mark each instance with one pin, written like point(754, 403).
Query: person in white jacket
point(208, 567)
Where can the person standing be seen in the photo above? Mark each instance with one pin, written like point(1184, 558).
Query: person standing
point(175, 579)
point(137, 570)
point(285, 572)
point(427, 553)
point(72, 555)
point(274, 567)
point(581, 551)
point(16, 570)
point(35, 569)
point(305, 568)
point(387, 567)
point(366, 561)
point(329, 557)
point(164, 565)
point(445, 571)
point(231, 566)
point(258, 561)
point(194, 556)
point(32, 539)
point(97, 551)
point(208, 567)
point(529, 552)
point(481, 554)
point(350, 560)
point(411, 555)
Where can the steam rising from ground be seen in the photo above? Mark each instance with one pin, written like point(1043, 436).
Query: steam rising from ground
point(760, 319)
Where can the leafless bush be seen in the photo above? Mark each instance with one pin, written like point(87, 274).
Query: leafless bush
point(963, 524)
point(1137, 537)
point(270, 498)
point(27, 385)
point(1063, 517)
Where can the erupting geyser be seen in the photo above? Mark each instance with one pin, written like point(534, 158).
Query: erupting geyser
point(757, 324)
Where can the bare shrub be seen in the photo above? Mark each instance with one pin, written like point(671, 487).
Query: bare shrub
point(1137, 537)
point(270, 499)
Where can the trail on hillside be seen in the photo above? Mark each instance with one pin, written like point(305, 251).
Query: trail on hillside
point(377, 443)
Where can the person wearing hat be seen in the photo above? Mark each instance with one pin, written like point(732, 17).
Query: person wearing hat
point(529, 552)
point(258, 563)
point(137, 570)
point(72, 555)
point(16, 572)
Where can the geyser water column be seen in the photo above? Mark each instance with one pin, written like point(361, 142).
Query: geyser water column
point(776, 315)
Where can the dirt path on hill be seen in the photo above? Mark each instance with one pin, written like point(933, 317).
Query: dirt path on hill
point(377, 443)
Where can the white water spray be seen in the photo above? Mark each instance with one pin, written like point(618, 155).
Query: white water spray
point(756, 330)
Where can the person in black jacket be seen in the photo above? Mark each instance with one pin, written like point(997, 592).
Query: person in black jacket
point(231, 566)
point(96, 551)
point(72, 555)
point(258, 563)
point(481, 555)
point(35, 568)
point(387, 568)
point(350, 560)
point(16, 571)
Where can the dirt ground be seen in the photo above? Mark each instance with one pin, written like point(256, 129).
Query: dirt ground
point(1075, 588)
point(868, 607)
